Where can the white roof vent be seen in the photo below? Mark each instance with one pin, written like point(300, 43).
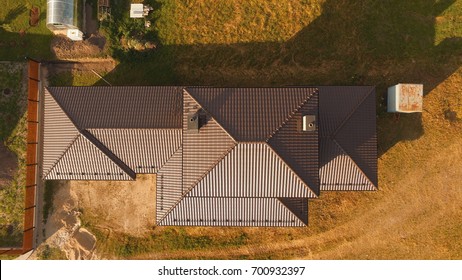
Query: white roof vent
point(75, 34)
point(309, 123)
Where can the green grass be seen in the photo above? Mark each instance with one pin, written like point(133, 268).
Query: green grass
point(51, 253)
point(124, 246)
point(75, 78)
point(13, 136)
point(14, 19)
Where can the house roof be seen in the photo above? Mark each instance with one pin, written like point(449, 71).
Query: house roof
point(121, 107)
point(137, 127)
point(251, 114)
point(348, 141)
point(248, 163)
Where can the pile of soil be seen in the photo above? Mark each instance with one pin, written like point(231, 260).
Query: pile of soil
point(63, 228)
point(64, 48)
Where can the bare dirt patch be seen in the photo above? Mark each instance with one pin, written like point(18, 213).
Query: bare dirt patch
point(8, 165)
point(123, 206)
point(120, 206)
point(63, 229)
point(64, 48)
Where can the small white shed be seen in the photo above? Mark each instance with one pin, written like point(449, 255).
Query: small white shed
point(405, 98)
point(136, 11)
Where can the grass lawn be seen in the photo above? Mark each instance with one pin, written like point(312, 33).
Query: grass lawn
point(13, 137)
point(17, 38)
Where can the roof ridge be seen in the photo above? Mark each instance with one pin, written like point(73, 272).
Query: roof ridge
point(355, 164)
point(64, 111)
point(348, 117)
point(108, 153)
point(290, 168)
point(211, 115)
point(196, 183)
point(162, 190)
point(71, 121)
point(291, 115)
point(62, 155)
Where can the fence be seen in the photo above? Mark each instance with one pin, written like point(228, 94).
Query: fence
point(31, 162)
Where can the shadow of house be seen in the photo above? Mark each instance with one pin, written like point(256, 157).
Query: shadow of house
point(363, 42)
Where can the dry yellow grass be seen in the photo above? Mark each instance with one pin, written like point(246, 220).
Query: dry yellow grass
point(236, 21)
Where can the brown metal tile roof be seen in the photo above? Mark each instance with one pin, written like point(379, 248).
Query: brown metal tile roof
point(299, 149)
point(337, 103)
point(83, 160)
point(348, 117)
point(298, 206)
point(250, 114)
point(249, 164)
point(251, 170)
point(58, 133)
point(169, 185)
point(121, 107)
point(203, 150)
point(221, 211)
point(340, 172)
point(143, 150)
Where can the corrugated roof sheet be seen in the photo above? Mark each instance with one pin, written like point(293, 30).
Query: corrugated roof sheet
point(250, 114)
point(337, 103)
point(83, 160)
point(249, 164)
point(121, 107)
point(58, 133)
point(143, 150)
point(358, 138)
point(203, 150)
point(169, 184)
point(298, 148)
point(251, 170)
point(298, 206)
point(348, 119)
point(339, 172)
point(239, 212)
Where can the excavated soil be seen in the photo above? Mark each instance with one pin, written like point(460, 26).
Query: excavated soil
point(64, 48)
point(119, 206)
point(122, 206)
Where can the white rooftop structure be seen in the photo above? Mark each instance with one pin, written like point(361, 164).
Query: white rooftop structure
point(75, 34)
